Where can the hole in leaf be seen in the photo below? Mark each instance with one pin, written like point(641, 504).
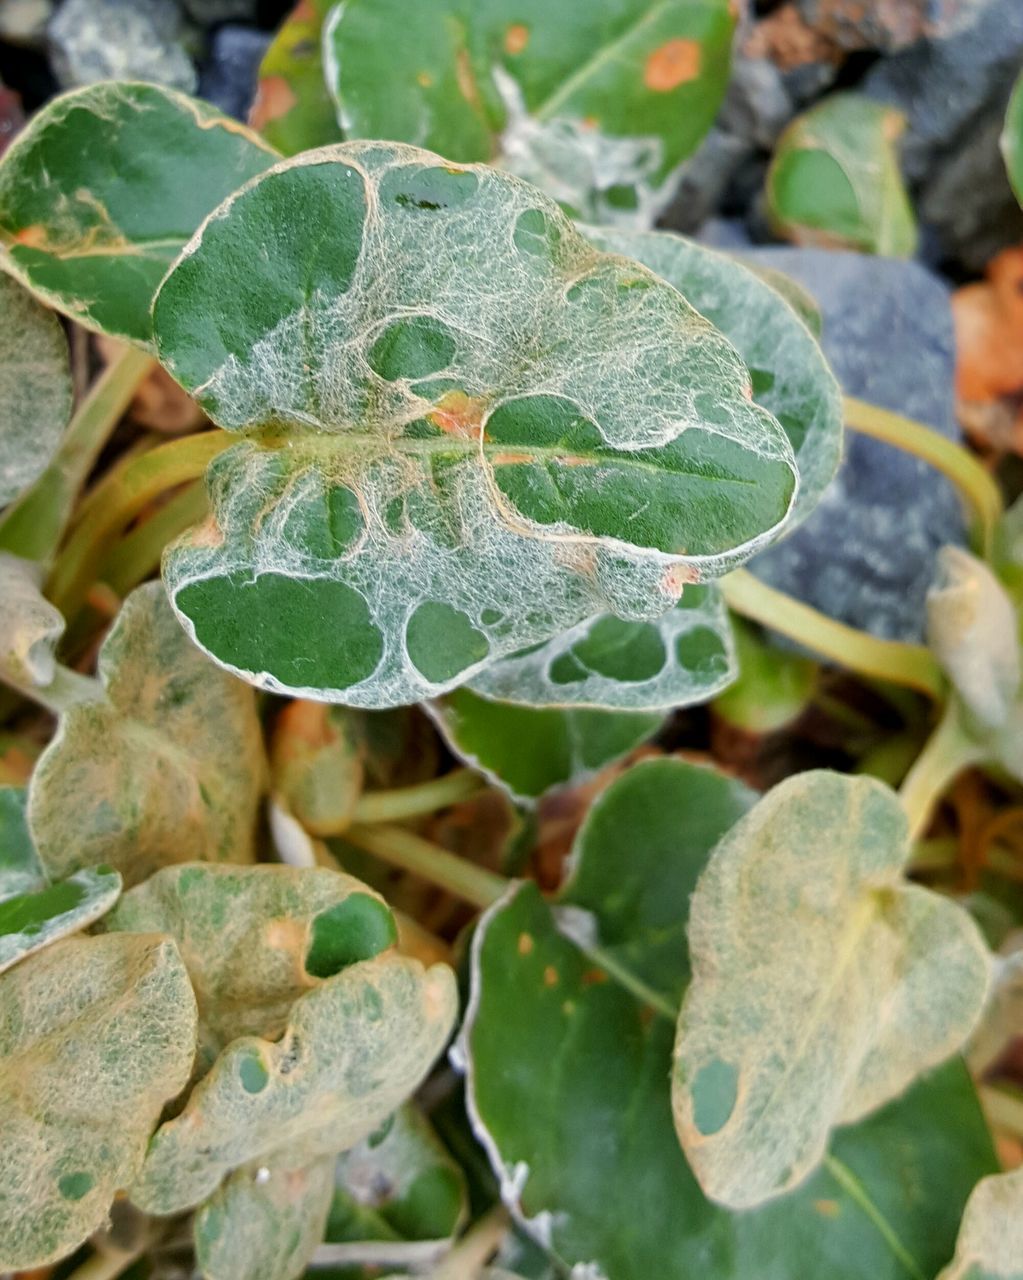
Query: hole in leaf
point(535, 235)
point(701, 650)
point(72, 1186)
point(626, 651)
point(714, 1092)
point(442, 641)
point(356, 929)
point(428, 189)
point(412, 348)
point(253, 1074)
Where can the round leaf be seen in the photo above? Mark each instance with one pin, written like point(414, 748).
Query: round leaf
point(475, 430)
point(101, 190)
point(823, 984)
point(293, 110)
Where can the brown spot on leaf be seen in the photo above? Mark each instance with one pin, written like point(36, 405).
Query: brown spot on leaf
point(593, 977)
point(516, 38)
point(677, 578)
point(525, 944)
point(466, 79)
point(424, 79)
point(675, 62)
point(550, 976)
point(33, 237)
point(274, 98)
point(458, 415)
point(827, 1208)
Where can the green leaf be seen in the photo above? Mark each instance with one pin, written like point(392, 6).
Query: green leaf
point(265, 1221)
point(293, 110)
point(835, 179)
point(990, 1244)
point(31, 921)
point(598, 106)
point(254, 939)
point(529, 750)
point(608, 663)
point(580, 1131)
point(30, 626)
point(401, 1188)
point(354, 1049)
point(100, 191)
point(20, 868)
point(469, 430)
point(35, 388)
point(791, 378)
point(823, 984)
point(1012, 139)
point(168, 767)
point(773, 687)
point(98, 1033)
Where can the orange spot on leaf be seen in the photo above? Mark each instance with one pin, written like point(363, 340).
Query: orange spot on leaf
point(457, 414)
point(525, 944)
point(33, 237)
point(274, 98)
point(593, 977)
point(550, 976)
point(827, 1208)
point(424, 79)
point(516, 38)
point(674, 63)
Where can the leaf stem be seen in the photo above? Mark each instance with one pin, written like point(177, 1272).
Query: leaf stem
point(401, 848)
point(125, 491)
point(947, 752)
point(974, 483)
point(635, 986)
point(66, 689)
point(35, 524)
point(906, 664)
point(138, 553)
point(411, 802)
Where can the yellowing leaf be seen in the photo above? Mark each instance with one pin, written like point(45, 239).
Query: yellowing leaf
point(353, 1050)
point(96, 1034)
point(167, 768)
point(990, 1244)
point(254, 939)
point(823, 984)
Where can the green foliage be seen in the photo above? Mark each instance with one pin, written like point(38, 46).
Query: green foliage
point(35, 388)
point(293, 110)
point(1012, 139)
point(596, 105)
point(166, 765)
point(835, 179)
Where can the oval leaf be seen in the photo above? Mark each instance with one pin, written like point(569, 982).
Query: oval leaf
point(35, 387)
point(254, 939)
point(990, 1244)
point(823, 984)
point(99, 1034)
point(293, 110)
point(353, 1050)
point(835, 179)
point(167, 768)
point(464, 410)
point(100, 191)
point(596, 105)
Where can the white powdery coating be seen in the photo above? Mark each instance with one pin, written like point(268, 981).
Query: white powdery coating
point(29, 625)
point(823, 984)
point(628, 354)
point(990, 1244)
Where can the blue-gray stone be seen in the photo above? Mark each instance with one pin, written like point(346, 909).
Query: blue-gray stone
point(228, 76)
point(867, 554)
point(92, 40)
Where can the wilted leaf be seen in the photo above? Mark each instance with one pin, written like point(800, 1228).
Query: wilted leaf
point(30, 626)
point(167, 768)
point(513, 433)
point(684, 656)
point(353, 1050)
point(835, 179)
point(96, 1034)
point(823, 984)
point(595, 105)
point(990, 1244)
point(316, 764)
point(265, 1221)
point(102, 189)
point(254, 939)
point(580, 1130)
point(293, 109)
point(1012, 139)
point(35, 387)
point(529, 750)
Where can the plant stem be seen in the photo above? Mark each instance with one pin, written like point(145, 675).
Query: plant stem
point(138, 553)
point(948, 751)
point(107, 1266)
point(66, 689)
point(411, 802)
point(35, 524)
point(400, 848)
point(974, 483)
point(635, 986)
point(476, 1247)
point(906, 664)
point(127, 489)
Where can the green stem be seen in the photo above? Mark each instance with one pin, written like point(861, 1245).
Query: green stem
point(35, 524)
point(892, 758)
point(400, 848)
point(851, 1185)
point(66, 689)
point(948, 751)
point(127, 490)
point(138, 553)
point(974, 483)
point(412, 802)
point(906, 664)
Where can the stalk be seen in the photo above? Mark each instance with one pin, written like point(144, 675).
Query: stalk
point(948, 751)
point(400, 848)
point(34, 525)
point(911, 665)
point(412, 802)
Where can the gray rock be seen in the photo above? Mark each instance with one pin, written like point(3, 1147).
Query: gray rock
point(94, 40)
point(953, 90)
point(704, 179)
point(867, 554)
point(209, 13)
point(228, 76)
